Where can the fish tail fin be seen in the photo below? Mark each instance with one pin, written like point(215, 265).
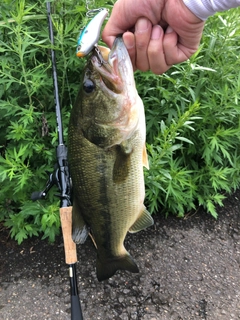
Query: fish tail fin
point(107, 268)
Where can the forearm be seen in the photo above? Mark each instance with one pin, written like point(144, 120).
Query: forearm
point(205, 8)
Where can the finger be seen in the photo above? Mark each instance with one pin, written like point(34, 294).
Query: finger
point(175, 52)
point(109, 40)
point(156, 56)
point(129, 41)
point(117, 24)
point(143, 29)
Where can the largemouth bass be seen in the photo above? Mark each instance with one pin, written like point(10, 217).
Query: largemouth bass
point(107, 153)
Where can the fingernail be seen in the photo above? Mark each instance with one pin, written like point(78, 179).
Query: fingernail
point(128, 39)
point(169, 30)
point(142, 25)
point(156, 32)
point(128, 43)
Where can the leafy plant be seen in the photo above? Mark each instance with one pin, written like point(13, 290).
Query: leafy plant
point(193, 124)
point(28, 134)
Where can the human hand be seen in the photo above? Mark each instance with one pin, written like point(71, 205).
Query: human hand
point(156, 33)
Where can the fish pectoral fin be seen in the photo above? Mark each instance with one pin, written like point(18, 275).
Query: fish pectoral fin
point(144, 221)
point(122, 163)
point(79, 228)
point(145, 158)
point(106, 268)
point(126, 147)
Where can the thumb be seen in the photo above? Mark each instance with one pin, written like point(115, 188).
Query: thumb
point(118, 22)
point(109, 34)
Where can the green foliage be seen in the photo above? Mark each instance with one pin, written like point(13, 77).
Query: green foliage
point(192, 114)
point(32, 219)
point(193, 124)
point(28, 134)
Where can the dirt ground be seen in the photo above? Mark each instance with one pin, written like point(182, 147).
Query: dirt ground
point(189, 269)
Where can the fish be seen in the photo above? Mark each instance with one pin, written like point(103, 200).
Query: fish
point(106, 154)
point(90, 35)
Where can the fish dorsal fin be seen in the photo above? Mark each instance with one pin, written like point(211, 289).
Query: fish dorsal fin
point(145, 158)
point(144, 221)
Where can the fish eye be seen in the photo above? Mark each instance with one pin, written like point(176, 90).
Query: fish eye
point(88, 86)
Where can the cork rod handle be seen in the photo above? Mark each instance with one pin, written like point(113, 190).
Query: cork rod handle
point(69, 245)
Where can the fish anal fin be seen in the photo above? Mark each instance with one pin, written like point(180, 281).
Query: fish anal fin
point(144, 221)
point(107, 268)
point(79, 228)
point(145, 158)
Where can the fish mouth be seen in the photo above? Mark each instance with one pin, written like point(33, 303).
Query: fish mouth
point(114, 67)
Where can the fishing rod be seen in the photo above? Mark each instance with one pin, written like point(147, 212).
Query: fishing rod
point(61, 178)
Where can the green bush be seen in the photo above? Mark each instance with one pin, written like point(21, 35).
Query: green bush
point(192, 114)
point(193, 124)
point(28, 133)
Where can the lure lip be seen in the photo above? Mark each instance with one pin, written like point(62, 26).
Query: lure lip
point(80, 54)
